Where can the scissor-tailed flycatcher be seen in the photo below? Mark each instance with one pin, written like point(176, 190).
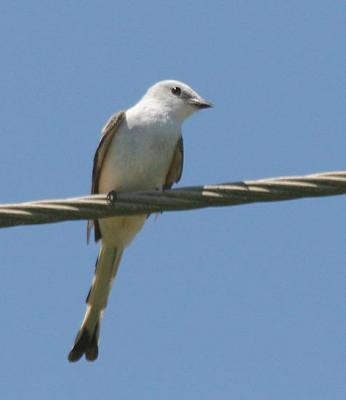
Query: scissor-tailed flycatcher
point(140, 149)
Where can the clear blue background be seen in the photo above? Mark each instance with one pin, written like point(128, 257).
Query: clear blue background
point(236, 303)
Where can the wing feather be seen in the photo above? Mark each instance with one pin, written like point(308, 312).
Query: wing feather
point(176, 168)
point(108, 133)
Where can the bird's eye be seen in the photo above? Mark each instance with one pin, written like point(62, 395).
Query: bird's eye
point(176, 91)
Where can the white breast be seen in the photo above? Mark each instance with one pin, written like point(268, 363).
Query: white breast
point(140, 154)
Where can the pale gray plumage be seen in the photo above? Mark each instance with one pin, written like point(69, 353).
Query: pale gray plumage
point(140, 149)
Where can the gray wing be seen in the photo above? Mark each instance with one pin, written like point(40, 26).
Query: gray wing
point(176, 168)
point(108, 134)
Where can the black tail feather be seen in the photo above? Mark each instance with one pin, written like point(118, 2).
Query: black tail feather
point(85, 344)
point(106, 267)
point(92, 351)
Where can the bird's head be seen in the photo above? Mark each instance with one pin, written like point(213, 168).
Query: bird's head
point(175, 98)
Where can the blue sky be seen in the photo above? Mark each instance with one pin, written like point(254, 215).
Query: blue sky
point(243, 302)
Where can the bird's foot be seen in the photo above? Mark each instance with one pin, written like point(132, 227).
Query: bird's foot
point(112, 196)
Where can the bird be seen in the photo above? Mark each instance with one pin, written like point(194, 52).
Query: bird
point(140, 148)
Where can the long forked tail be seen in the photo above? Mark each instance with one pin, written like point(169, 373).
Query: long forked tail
point(87, 338)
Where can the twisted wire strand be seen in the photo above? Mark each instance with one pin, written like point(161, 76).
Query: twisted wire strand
point(187, 198)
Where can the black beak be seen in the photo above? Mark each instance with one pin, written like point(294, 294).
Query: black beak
point(200, 103)
point(204, 104)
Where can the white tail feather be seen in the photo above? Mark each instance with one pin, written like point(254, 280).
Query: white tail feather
point(106, 268)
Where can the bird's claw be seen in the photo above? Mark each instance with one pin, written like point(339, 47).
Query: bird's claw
point(112, 196)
